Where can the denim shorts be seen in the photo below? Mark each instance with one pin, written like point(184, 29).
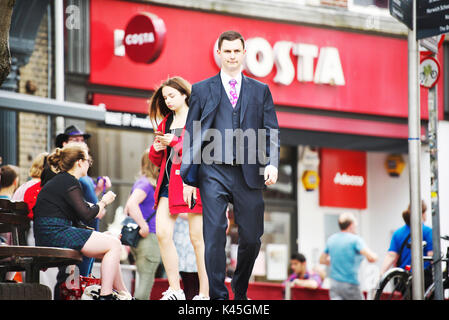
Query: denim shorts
point(164, 191)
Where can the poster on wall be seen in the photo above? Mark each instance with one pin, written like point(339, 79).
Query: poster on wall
point(343, 178)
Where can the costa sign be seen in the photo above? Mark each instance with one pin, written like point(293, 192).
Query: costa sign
point(261, 58)
point(342, 178)
point(305, 66)
point(144, 37)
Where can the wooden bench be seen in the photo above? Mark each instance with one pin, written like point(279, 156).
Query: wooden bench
point(13, 218)
point(33, 259)
point(19, 256)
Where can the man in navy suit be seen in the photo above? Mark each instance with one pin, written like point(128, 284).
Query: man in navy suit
point(231, 152)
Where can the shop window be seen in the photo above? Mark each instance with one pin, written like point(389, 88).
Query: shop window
point(367, 4)
point(117, 154)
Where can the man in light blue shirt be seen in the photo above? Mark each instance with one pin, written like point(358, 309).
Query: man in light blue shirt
point(344, 252)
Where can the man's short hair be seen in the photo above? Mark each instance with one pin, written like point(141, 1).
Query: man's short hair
point(406, 213)
point(345, 220)
point(298, 256)
point(230, 36)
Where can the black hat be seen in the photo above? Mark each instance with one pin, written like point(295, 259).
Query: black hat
point(69, 131)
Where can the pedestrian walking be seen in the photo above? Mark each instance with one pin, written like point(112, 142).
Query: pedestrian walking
point(170, 101)
point(400, 255)
point(230, 170)
point(344, 253)
point(187, 260)
point(140, 207)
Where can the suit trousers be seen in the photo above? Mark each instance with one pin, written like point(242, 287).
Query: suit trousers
point(221, 184)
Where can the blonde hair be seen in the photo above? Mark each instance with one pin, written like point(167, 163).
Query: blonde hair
point(63, 159)
point(148, 168)
point(38, 165)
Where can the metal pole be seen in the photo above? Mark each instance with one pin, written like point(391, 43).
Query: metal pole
point(59, 59)
point(433, 148)
point(288, 290)
point(49, 73)
point(414, 150)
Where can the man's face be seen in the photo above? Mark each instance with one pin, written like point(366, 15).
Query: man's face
point(297, 266)
point(74, 139)
point(232, 55)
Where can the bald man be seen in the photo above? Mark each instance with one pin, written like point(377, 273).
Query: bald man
point(344, 252)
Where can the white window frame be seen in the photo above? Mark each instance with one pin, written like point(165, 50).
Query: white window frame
point(370, 10)
point(295, 2)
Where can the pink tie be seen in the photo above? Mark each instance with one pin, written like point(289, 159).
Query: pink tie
point(233, 92)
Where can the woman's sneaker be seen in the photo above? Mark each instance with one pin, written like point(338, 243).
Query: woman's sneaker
point(123, 295)
point(108, 297)
point(171, 294)
point(91, 292)
point(200, 297)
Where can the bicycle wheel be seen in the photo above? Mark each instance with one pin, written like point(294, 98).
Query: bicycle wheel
point(394, 285)
point(429, 294)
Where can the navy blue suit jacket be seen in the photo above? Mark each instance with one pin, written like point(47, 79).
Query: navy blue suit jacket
point(256, 112)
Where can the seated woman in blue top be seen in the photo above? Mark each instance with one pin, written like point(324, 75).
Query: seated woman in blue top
point(60, 207)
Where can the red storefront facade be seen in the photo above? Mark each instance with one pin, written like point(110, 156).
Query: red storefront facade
point(374, 67)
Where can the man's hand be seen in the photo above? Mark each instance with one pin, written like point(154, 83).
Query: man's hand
point(187, 192)
point(270, 175)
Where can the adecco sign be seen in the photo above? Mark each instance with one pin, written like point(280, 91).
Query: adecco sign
point(144, 37)
point(342, 178)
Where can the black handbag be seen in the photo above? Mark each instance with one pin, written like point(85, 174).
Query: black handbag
point(130, 231)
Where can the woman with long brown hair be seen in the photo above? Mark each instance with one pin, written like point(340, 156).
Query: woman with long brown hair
point(170, 102)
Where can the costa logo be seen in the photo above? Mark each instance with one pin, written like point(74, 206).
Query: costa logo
point(139, 39)
point(144, 37)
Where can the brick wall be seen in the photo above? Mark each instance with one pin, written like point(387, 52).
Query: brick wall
point(32, 135)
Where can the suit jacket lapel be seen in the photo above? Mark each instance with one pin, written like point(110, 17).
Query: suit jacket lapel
point(214, 94)
point(245, 92)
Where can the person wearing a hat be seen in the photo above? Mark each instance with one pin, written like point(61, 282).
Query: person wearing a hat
point(91, 192)
point(71, 134)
